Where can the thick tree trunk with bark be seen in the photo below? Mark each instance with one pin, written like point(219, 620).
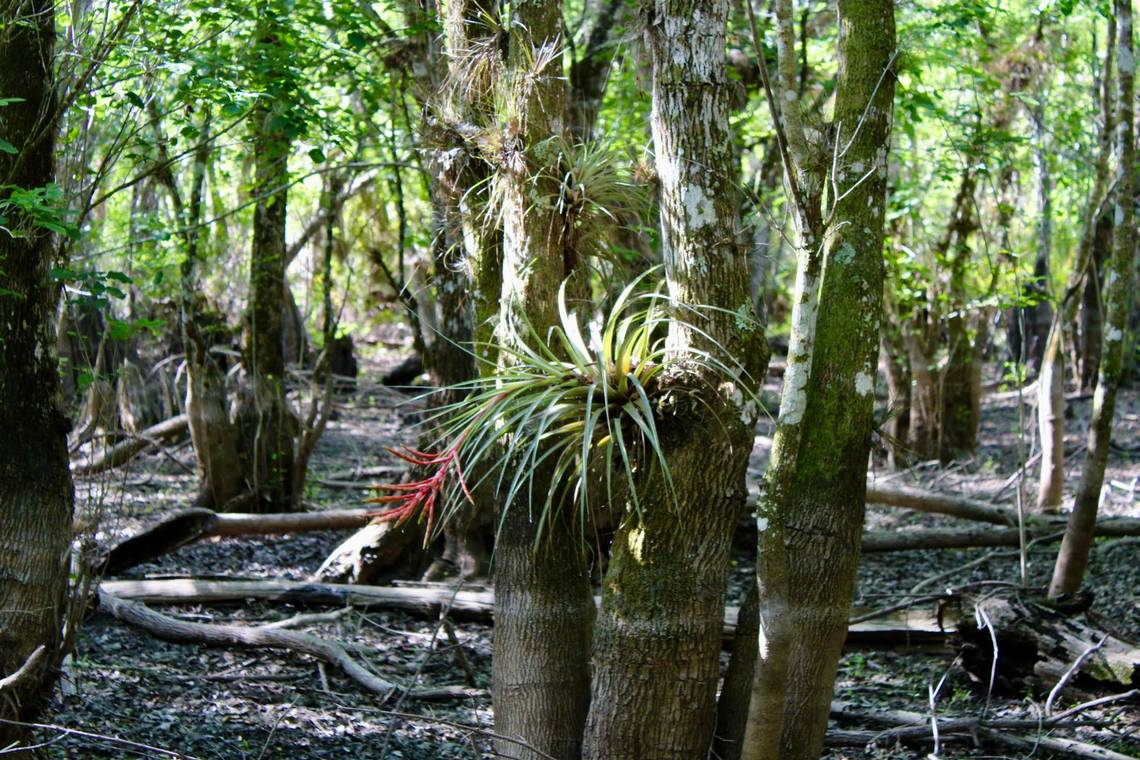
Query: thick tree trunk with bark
point(543, 602)
point(266, 421)
point(35, 485)
point(1072, 560)
point(824, 507)
point(655, 649)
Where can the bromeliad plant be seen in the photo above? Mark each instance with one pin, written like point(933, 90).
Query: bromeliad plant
point(577, 408)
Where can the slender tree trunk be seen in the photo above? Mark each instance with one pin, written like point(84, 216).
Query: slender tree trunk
point(1092, 309)
point(896, 366)
point(266, 420)
point(1051, 423)
point(1082, 281)
point(656, 645)
point(919, 337)
point(214, 438)
point(35, 483)
point(810, 513)
point(1072, 559)
point(543, 601)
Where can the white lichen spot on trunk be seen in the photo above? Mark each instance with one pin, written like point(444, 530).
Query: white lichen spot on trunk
point(845, 254)
point(1113, 334)
point(1124, 54)
point(699, 209)
point(864, 383)
point(636, 542)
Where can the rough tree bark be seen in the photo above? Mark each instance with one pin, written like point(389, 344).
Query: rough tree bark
point(35, 485)
point(655, 663)
point(1072, 560)
point(543, 602)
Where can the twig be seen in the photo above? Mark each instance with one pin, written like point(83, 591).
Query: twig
point(12, 681)
point(1099, 702)
point(306, 619)
point(93, 736)
point(1072, 671)
point(460, 655)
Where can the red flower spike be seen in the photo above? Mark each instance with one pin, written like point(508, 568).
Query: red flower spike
point(420, 497)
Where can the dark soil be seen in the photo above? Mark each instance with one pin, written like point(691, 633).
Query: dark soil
point(136, 696)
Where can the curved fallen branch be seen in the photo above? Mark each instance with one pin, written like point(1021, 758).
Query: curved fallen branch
point(172, 629)
point(125, 451)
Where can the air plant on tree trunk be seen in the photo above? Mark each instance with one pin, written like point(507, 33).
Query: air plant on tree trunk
point(584, 408)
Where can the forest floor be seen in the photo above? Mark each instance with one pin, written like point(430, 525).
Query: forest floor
point(135, 696)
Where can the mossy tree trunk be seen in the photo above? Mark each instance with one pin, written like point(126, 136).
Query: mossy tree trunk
point(656, 643)
point(544, 605)
point(35, 483)
point(810, 513)
point(1072, 559)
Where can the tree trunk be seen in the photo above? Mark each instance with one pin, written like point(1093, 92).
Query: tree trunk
point(1092, 310)
point(896, 364)
point(267, 423)
point(1072, 560)
point(543, 601)
point(923, 423)
point(590, 74)
point(811, 507)
point(35, 485)
point(824, 508)
point(655, 650)
point(958, 428)
point(1051, 423)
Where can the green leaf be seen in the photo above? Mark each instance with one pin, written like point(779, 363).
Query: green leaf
point(317, 155)
point(7, 147)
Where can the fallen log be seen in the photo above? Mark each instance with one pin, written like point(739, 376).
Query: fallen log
point(913, 627)
point(966, 538)
point(938, 503)
point(192, 525)
point(125, 451)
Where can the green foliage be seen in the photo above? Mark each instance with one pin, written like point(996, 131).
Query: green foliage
point(23, 210)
